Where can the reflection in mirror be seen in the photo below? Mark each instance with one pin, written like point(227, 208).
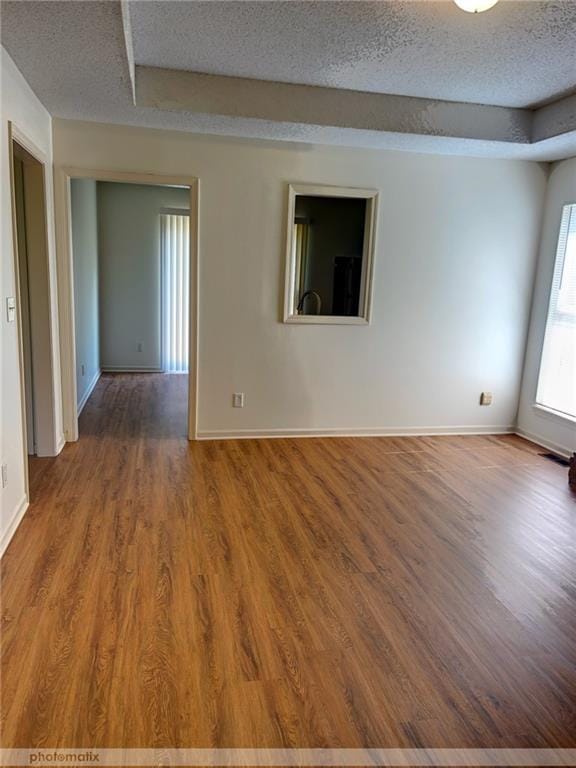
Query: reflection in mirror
point(329, 254)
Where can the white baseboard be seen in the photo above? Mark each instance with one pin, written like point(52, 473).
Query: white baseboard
point(60, 444)
point(89, 390)
point(131, 369)
point(15, 520)
point(250, 434)
point(558, 449)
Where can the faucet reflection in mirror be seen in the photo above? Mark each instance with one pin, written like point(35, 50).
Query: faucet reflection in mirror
point(300, 307)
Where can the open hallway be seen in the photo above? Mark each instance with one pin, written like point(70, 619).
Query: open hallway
point(304, 592)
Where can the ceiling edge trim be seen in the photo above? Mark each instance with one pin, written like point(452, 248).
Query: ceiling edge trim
point(195, 92)
point(554, 119)
point(183, 91)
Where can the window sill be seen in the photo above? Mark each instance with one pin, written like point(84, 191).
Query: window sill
point(325, 320)
point(552, 414)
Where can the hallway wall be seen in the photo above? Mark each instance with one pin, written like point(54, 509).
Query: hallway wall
point(84, 210)
point(130, 273)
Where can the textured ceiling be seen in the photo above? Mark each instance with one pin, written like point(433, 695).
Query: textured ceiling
point(73, 55)
point(516, 55)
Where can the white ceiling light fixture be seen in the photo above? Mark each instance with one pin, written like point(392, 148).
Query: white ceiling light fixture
point(475, 6)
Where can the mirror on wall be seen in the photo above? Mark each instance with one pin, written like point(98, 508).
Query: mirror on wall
point(329, 254)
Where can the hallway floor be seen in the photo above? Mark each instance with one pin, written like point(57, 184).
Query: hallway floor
point(306, 592)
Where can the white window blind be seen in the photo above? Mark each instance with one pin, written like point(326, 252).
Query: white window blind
point(175, 238)
point(557, 379)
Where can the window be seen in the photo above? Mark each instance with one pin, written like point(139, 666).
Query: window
point(557, 379)
point(175, 238)
point(329, 254)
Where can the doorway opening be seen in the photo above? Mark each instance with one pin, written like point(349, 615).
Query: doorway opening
point(32, 307)
point(131, 277)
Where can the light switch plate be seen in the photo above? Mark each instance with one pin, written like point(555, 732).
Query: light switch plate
point(11, 309)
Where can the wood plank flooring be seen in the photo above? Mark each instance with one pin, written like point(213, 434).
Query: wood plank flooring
point(316, 592)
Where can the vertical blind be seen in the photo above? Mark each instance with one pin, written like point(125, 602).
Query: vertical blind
point(557, 378)
point(175, 238)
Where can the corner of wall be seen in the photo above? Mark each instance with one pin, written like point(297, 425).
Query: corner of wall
point(22, 108)
point(552, 432)
point(13, 523)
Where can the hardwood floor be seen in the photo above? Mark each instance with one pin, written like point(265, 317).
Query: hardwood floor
point(315, 592)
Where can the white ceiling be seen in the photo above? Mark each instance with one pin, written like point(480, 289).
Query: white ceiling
point(73, 54)
point(516, 55)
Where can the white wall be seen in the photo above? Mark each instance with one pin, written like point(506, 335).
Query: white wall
point(84, 209)
point(455, 259)
point(130, 286)
point(20, 105)
point(548, 429)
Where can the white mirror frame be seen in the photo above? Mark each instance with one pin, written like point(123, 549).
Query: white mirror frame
point(313, 190)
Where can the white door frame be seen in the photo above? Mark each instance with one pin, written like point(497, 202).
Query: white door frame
point(62, 178)
point(47, 440)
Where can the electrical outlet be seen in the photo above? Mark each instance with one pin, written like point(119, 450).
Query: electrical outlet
point(238, 400)
point(486, 398)
point(4, 475)
point(83, 370)
point(139, 346)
